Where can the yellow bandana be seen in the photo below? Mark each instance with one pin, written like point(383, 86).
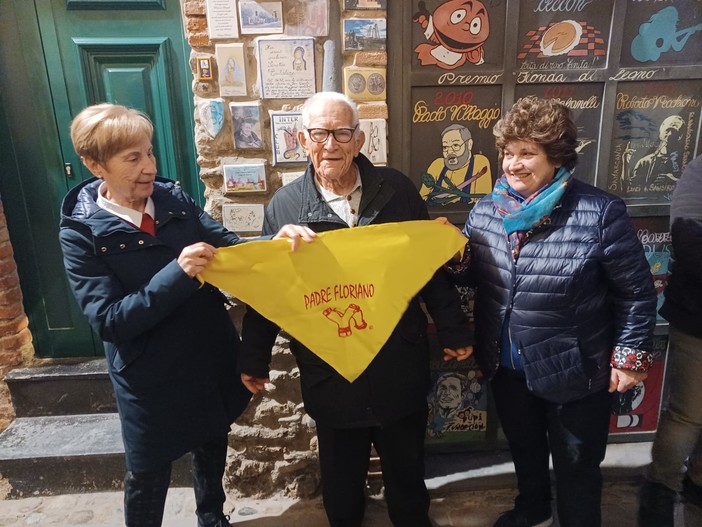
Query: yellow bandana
point(343, 294)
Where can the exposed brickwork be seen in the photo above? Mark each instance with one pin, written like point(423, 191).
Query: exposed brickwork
point(15, 337)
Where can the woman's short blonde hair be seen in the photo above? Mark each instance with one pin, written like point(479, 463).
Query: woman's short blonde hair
point(542, 121)
point(100, 131)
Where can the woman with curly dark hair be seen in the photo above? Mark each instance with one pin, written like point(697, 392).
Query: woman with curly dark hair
point(564, 309)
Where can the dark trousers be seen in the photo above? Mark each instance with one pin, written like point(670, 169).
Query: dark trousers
point(344, 455)
point(145, 492)
point(574, 433)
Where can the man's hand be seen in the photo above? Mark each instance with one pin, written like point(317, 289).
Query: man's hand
point(294, 233)
point(254, 384)
point(459, 353)
point(624, 380)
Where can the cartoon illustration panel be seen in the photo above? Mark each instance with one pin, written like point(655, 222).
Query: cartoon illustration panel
point(654, 233)
point(638, 410)
point(574, 37)
point(458, 407)
point(458, 35)
point(662, 33)
point(656, 125)
point(453, 150)
point(585, 103)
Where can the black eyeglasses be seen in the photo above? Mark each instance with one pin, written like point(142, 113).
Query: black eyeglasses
point(320, 135)
point(454, 146)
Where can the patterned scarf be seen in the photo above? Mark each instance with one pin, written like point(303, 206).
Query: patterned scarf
point(519, 215)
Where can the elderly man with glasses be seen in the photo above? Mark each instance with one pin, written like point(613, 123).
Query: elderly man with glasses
point(386, 406)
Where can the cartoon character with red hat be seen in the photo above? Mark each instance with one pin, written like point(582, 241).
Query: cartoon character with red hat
point(457, 30)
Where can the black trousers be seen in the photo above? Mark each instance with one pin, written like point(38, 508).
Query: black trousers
point(574, 434)
point(344, 455)
point(145, 492)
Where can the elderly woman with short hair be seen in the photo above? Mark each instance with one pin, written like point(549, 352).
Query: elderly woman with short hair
point(133, 244)
point(564, 312)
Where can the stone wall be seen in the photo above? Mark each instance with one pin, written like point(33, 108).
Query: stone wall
point(15, 338)
point(273, 445)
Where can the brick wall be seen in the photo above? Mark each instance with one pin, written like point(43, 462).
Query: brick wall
point(15, 337)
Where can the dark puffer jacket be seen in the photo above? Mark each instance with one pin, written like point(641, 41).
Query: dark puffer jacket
point(395, 383)
point(580, 287)
point(683, 294)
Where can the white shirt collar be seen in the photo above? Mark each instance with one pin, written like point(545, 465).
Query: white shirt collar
point(130, 215)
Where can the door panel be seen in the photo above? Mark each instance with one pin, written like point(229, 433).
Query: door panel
point(56, 57)
point(108, 52)
point(135, 73)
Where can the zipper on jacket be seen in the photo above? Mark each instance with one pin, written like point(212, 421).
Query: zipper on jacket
point(527, 236)
point(509, 334)
point(510, 308)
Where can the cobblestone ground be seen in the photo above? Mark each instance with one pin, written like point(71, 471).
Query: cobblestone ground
point(477, 508)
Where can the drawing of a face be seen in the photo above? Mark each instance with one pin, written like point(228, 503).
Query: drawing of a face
point(461, 25)
point(449, 394)
point(671, 128)
point(456, 150)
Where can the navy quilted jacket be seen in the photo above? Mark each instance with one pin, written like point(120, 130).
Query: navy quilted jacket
point(580, 287)
point(171, 347)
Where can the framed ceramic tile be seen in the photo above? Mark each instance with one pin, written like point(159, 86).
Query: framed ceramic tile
point(242, 217)
point(286, 68)
point(246, 125)
point(308, 18)
point(364, 34)
point(365, 84)
point(222, 19)
point(244, 178)
point(375, 145)
point(260, 18)
point(211, 114)
point(365, 4)
point(286, 148)
point(232, 71)
point(289, 177)
point(204, 69)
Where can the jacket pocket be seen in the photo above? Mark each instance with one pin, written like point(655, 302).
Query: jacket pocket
point(555, 368)
point(121, 356)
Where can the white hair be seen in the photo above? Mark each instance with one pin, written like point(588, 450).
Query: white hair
point(324, 97)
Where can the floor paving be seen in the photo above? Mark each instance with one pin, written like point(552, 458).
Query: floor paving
point(473, 497)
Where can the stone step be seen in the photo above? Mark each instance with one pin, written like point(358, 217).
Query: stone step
point(50, 455)
point(62, 389)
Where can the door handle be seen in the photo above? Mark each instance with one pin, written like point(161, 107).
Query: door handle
point(68, 169)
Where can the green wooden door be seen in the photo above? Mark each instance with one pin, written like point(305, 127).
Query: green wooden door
point(58, 57)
